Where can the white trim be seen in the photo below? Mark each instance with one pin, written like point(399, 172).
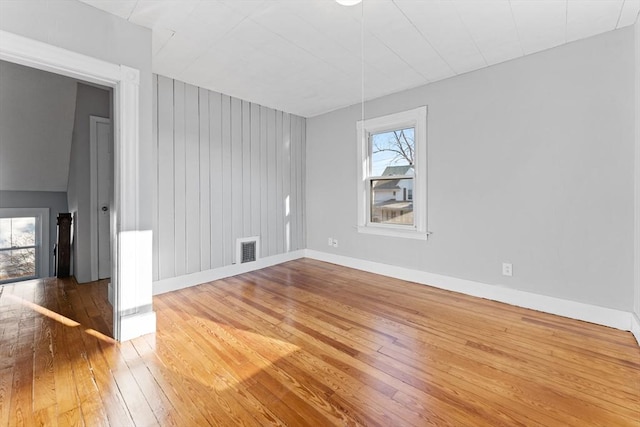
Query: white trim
point(575, 310)
point(416, 118)
point(636, 233)
point(635, 327)
point(188, 280)
point(393, 232)
point(93, 190)
point(136, 325)
point(43, 56)
point(43, 248)
point(125, 81)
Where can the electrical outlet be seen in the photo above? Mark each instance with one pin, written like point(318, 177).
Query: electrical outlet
point(507, 269)
point(335, 243)
point(330, 241)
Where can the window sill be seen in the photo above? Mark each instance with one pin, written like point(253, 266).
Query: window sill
point(394, 232)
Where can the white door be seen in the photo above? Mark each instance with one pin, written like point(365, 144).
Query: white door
point(101, 145)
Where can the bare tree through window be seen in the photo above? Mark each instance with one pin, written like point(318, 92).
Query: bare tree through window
point(17, 248)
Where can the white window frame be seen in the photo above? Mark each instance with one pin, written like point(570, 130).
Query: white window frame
point(41, 235)
point(417, 119)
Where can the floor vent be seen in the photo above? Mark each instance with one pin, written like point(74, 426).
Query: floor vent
point(247, 249)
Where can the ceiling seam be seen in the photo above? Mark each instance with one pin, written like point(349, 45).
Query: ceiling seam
point(566, 18)
point(466, 28)
point(515, 24)
point(400, 58)
point(620, 14)
point(424, 37)
point(317, 29)
point(208, 47)
point(133, 9)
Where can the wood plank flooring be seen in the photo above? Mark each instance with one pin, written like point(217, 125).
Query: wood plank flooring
point(308, 343)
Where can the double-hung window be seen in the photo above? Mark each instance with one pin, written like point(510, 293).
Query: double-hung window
point(392, 166)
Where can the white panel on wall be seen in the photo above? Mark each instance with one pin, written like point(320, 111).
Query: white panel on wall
point(272, 208)
point(246, 169)
point(215, 174)
point(155, 219)
point(302, 188)
point(227, 212)
point(179, 177)
point(236, 174)
point(279, 195)
point(286, 179)
point(294, 182)
point(255, 170)
point(166, 208)
point(264, 179)
point(192, 179)
point(205, 189)
point(227, 168)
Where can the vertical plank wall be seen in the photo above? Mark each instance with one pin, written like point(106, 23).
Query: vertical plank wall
point(227, 168)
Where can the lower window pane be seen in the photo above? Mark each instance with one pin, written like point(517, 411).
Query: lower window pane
point(17, 263)
point(392, 201)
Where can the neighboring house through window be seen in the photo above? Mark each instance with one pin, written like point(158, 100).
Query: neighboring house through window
point(392, 174)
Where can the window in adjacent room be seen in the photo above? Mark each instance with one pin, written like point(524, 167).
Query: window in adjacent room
point(23, 239)
point(392, 174)
point(17, 248)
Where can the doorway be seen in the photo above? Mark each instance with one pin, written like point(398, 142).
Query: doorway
point(133, 313)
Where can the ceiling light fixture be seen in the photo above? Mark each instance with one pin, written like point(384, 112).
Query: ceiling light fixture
point(348, 2)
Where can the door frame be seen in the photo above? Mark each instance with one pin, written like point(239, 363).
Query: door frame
point(125, 81)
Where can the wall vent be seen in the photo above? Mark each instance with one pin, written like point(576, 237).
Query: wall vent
point(247, 249)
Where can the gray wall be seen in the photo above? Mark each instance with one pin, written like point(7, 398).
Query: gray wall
point(36, 121)
point(90, 101)
point(226, 169)
point(56, 201)
point(530, 162)
point(84, 29)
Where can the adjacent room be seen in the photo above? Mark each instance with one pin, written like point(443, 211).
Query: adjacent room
point(320, 212)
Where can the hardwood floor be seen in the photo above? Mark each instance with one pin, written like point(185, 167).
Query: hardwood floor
point(308, 343)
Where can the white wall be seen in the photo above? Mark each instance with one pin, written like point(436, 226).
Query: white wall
point(90, 101)
point(227, 169)
point(36, 121)
point(530, 162)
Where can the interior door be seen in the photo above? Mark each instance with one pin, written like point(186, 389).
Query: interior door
point(104, 168)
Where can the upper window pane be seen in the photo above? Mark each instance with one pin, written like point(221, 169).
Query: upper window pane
point(5, 232)
point(392, 152)
point(17, 232)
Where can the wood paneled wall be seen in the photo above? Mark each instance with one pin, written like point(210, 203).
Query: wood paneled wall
point(227, 168)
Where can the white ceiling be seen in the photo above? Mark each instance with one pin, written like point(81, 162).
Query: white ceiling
point(304, 56)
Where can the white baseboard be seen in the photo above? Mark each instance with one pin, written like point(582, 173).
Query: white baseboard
point(635, 327)
point(181, 282)
point(136, 325)
point(110, 293)
point(575, 310)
